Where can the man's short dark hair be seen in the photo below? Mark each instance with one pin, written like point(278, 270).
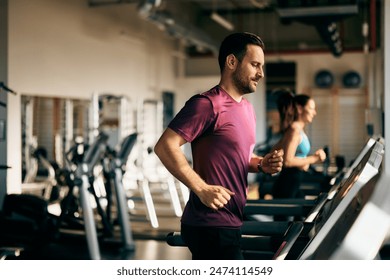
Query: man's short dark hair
point(236, 43)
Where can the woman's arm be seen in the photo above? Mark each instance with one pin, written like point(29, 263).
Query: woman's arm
point(290, 142)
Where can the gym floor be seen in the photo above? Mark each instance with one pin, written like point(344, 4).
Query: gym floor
point(150, 244)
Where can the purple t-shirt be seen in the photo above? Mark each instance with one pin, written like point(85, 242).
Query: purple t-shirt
point(222, 136)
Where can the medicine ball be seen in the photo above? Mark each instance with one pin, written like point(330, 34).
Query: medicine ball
point(351, 79)
point(324, 79)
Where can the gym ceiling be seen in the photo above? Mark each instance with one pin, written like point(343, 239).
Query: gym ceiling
point(299, 26)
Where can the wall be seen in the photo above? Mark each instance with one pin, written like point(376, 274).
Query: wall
point(3, 96)
point(68, 49)
point(386, 67)
point(307, 65)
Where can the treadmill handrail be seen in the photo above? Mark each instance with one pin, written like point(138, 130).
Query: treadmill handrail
point(126, 147)
point(96, 150)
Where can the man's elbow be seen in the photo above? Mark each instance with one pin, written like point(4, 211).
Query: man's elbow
point(157, 149)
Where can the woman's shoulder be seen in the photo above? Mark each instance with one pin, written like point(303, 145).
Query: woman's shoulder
point(295, 128)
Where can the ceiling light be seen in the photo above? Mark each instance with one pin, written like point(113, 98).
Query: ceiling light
point(222, 21)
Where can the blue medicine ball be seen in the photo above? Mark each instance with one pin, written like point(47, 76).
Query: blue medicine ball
point(324, 79)
point(351, 79)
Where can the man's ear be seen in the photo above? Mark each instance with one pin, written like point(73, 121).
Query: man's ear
point(231, 61)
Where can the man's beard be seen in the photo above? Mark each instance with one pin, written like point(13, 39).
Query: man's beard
point(241, 84)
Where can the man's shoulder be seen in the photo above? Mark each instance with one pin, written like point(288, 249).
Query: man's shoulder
point(213, 92)
point(211, 96)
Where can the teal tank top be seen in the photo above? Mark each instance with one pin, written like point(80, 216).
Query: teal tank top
point(303, 148)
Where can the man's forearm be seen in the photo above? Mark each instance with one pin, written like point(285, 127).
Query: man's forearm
point(176, 163)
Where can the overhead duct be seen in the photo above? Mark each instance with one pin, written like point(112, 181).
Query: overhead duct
point(308, 12)
point(222, 21)
point(176, 27)
point(96, 3)
point(323, 17)
point(306, 9)
point(330, 35)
